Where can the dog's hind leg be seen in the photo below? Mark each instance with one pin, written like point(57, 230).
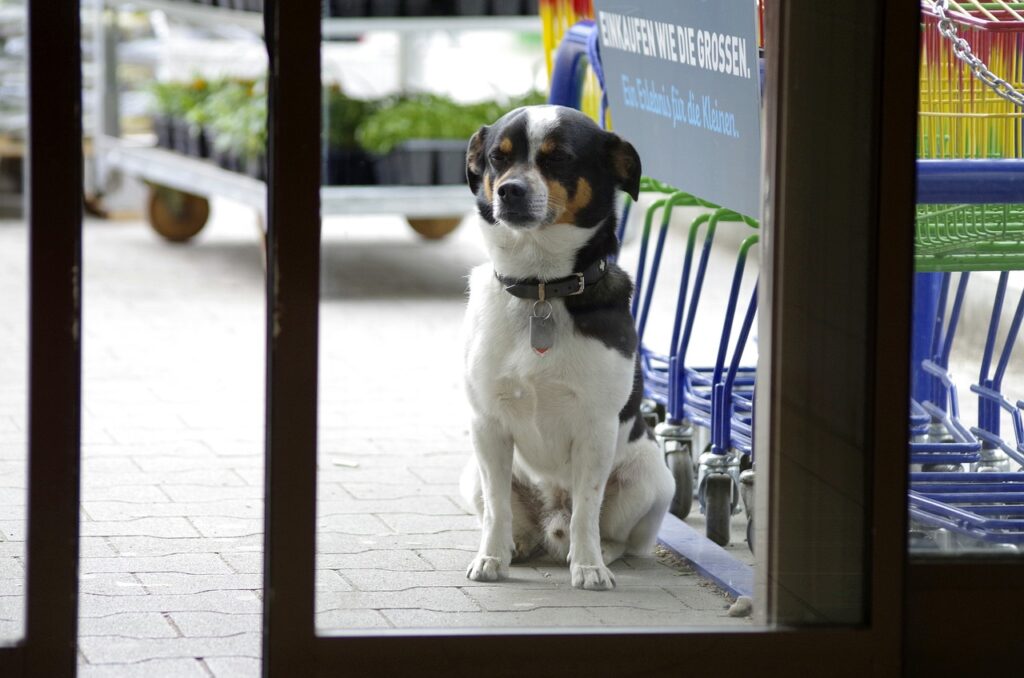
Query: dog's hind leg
point(636, 498)
point(526, 506)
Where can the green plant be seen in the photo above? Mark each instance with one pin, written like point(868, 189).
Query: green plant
point(344, 116)
point(237, 114)
point(430, 116)
point(177, 99)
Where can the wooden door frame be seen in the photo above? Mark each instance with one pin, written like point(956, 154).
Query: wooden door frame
point(54, 211)
point(870, 49)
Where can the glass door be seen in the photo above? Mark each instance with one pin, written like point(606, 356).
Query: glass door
point(831, 474)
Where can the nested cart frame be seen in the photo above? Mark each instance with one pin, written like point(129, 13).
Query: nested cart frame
point(432, 210)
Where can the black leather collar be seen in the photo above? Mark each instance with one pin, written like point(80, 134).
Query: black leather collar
point(564, 287)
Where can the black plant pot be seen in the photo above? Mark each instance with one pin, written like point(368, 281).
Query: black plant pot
point(505, 7)
point(255, 166)
point(226, 159)
point(531, 7)
point(410, 163)
point(385, 7)
point(164, 130)
point(349, 167)
point(450, 161)
point(416, 8)
point(469, 7)
point(181, 134)
point(348, 8)
point(198, 145)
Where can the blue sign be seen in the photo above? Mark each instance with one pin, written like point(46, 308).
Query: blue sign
point(683, 87)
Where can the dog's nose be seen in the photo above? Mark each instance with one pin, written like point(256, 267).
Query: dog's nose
point(512, 190)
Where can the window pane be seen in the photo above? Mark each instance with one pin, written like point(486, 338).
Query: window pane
point(967, 438)
point(395, 534)
point(13, 321)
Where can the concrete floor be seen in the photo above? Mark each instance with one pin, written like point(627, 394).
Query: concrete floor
point(173, 439)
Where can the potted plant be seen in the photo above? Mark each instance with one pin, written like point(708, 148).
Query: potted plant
point(348, 8)
point(469, 7)
point(401, 136)
point(504, 7)
point(165, 106)
point(346, 163)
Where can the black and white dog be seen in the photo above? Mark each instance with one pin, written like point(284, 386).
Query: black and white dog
point(564, 461)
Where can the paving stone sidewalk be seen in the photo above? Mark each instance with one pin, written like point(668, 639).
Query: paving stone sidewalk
point(173, 442)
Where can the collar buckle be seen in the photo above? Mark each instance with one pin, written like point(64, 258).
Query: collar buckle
point(583, 284)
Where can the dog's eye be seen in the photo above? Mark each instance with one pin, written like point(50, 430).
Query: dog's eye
point(557, 156)
point(498, 157)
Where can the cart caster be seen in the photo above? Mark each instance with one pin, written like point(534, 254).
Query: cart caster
point(176, 215)
point(747, 497)
point(435, 229)
point(676, 441)
point(680, 462)
point(718, 507)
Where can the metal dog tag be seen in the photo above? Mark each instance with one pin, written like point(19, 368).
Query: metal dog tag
point(542, 327)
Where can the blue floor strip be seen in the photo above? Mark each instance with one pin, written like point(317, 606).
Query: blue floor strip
point(707, 557)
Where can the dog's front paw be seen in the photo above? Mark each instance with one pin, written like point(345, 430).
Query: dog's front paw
point(486, 568)
point(592, 577)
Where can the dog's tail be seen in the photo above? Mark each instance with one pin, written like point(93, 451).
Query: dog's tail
point(556, 532)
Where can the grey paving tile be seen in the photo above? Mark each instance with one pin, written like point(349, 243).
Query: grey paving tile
point(120, 510)
point(176, 583)
point(134, 546)
point(509, 596)
point(147, 495)
point(111, 584)
point(108, 650)
point(440, 599)
point(339, 621)
point(390, 580)
point(213, 624)
point(430, 505)
point(222, 526)
point(96, 605)
point(332, 542)
point(184, 667)
point(630, 617)
point(166, 527)
point(233, 667)
point(192, 563)
point(405, 490)
point(546, 618)
point(450, 558)
point(203, 493)
point(413, 523)
point(390, 560)
point(128, 625)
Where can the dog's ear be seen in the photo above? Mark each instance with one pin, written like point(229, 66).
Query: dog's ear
point(625, 162)
point(475, 158)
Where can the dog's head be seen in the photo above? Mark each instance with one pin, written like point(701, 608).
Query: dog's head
point(542, 165)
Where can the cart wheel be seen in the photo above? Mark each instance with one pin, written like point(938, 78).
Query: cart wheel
point(176, 215)
point(680, 463)
point(718, 507)
point(750, 534)
point(435, 229)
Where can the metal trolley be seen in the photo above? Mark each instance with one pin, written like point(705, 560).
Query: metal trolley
point(965, 488)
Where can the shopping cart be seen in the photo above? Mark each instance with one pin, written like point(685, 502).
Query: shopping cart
point(970, 218)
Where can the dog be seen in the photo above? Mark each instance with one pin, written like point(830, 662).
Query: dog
point(563, 460)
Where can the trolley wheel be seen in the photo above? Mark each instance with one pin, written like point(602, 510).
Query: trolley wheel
point(176, 215)
point(680, 463)
point(435, 229)
point(718, 507)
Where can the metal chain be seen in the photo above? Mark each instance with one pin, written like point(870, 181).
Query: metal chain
point(962, 50)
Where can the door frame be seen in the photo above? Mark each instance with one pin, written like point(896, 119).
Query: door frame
point(875, 276)
point(54, 215)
